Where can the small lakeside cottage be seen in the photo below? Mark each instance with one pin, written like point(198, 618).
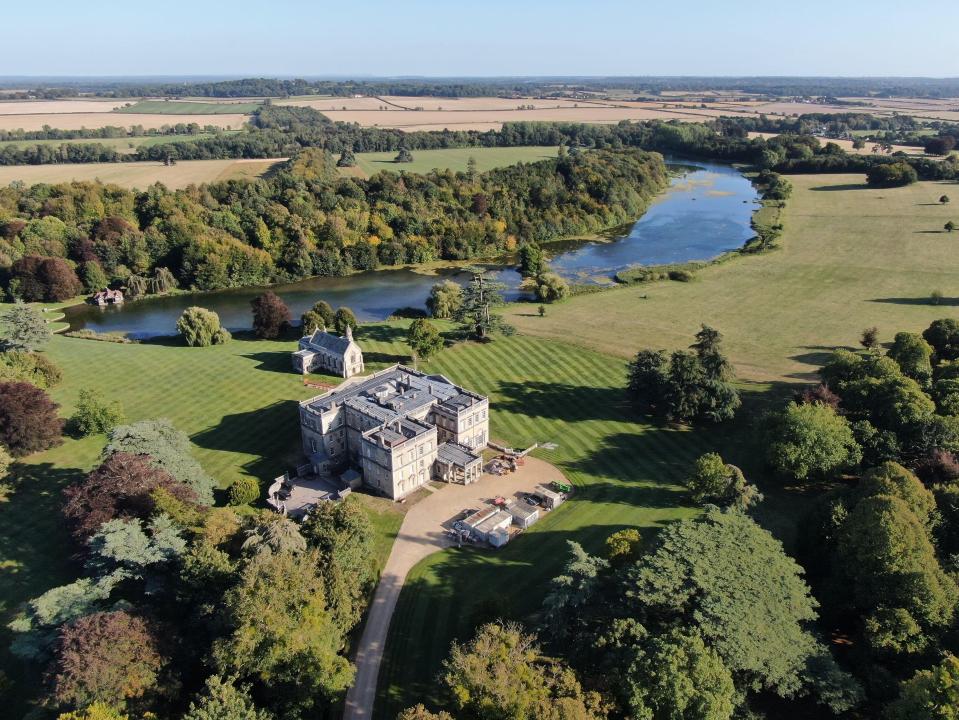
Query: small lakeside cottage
point(107, 297)
point(329, 353)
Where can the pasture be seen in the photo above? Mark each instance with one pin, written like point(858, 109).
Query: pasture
point(139, 174)
point(181, 107)
point(850, 257)
point(455, 159)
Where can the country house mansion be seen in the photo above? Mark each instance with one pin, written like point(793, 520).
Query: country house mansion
point(400, 428)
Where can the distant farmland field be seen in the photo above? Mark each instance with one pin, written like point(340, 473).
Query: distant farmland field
point(127, 145)
point(448, 159)
point(139, 175)
point(76, 121)
point(179, 107)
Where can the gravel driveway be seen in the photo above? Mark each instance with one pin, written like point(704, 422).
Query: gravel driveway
point(423, 533)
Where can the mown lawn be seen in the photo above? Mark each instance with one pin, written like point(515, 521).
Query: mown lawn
point(237, 403)
point(851, 257)
point(625, 472)
point(448, 159)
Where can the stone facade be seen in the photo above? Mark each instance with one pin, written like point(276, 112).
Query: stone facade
point(393, 426)
point(329, 353)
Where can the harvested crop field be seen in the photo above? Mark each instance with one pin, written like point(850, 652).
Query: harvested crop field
point(483, 103)
point(78, 121)
point(847, 145)
point(486, 119)
point(139, 174)
point(34, 107)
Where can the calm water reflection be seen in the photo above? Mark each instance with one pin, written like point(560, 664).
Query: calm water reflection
point(705, 212)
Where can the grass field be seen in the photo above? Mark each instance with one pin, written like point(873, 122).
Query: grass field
point(238, 404)
point(625, 471)
point(851, 257)
point(127, 145)
point(179, 107)
point(139, 174)
point(448, 159)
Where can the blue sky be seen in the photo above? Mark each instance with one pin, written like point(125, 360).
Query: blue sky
point(485, 38)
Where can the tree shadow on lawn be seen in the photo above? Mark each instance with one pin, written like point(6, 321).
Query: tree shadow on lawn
point(164, 341)
point(272, 433)
point(944, 301)
point(379, 358)
point(35, 544)
point(278, 361)
point(381, 333)
point(837, 188)
point(562, 401)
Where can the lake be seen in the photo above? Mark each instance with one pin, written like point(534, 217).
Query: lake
point(705, 212)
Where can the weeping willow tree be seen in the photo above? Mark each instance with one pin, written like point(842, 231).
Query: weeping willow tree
point(136, 286)
point(162, 281)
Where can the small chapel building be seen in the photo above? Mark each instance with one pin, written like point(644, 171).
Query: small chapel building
point(328, 353)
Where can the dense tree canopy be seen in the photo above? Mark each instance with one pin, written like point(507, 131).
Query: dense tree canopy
point(726, 577)
point(281, 635)
point(28, 419)
point(501, 674)
point(121, 487)
point(24, 328)
point(307, 220)
point(424, 339)
point(167, 448)
point(685, 386)
point(445, 299)
point(110, 657)
point(271, 316)
point(201, 327)
point(809, 441)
